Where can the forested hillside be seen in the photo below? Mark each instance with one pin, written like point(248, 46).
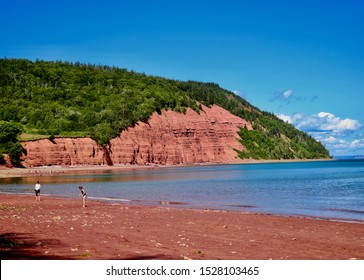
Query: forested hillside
point(50, 99)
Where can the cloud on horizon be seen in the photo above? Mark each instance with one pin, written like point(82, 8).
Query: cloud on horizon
point(324, 121)
point(285, 118)
point(340, 136)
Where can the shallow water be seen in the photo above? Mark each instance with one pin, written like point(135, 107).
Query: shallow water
point(324, 189)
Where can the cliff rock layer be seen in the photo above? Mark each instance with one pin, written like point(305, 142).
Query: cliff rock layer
point(62, 152)
point(168, 138)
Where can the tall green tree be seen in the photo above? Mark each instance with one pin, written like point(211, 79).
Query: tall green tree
point(9, 143)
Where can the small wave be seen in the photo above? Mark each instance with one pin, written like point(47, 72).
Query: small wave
point(24, 193)
point(172, 203)
point(240, 206)
point(347, 210)
point(109, 199)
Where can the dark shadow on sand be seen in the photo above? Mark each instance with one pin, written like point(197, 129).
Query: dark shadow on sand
point(22, 246)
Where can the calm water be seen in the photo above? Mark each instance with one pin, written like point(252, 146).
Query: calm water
point(328, 189)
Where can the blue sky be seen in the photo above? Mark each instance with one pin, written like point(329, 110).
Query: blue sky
point(302, 60)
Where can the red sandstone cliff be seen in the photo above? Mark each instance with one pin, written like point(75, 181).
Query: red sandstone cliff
point(62, 151)
point(168, 138)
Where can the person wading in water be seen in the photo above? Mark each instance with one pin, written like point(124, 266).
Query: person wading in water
point(83, 193)
point(37, 188)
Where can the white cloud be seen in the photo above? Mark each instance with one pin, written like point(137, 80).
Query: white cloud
point(298, 116)
point(330, 139)
point(324, 121)
point(324, 114)
point(285, 118)
point(357, 143)
point(288, 93)
point(340, 136)
point(348, 124)
point(284, 96)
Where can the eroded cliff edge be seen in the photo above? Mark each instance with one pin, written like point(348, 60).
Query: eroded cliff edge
point(168, 138)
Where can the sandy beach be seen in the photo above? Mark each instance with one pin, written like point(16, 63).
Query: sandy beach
point(59, 228)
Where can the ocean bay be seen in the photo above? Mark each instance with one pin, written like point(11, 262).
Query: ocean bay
point(322, 189)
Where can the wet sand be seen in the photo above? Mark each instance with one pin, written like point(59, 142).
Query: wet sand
point(59, 228)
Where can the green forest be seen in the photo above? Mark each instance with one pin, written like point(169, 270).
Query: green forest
point(44, 99)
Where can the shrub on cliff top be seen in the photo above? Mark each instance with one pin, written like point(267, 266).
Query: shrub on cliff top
point(9, 132)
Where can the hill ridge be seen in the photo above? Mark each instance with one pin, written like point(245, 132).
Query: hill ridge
point(62, 99)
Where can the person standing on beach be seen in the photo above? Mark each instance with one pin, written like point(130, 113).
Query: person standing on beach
point(83, 193)
point(37, 188)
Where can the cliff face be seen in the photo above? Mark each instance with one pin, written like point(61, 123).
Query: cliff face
point(62, 151)
point(167, 138)
point(173, 138)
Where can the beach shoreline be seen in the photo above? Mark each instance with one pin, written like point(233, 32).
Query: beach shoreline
point(59, 228)
point(6, 172)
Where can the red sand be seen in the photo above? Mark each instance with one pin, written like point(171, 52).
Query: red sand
point(58, 228)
